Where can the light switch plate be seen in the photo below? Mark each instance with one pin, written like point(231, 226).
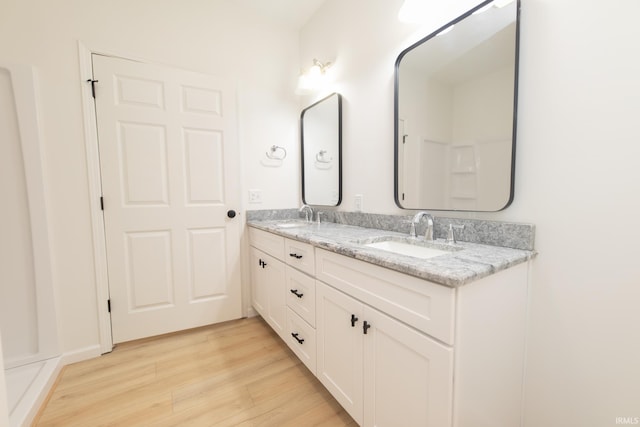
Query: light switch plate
point(358, 203)
point(255, 196)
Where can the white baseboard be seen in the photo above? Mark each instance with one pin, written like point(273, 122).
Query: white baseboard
point(81, 354)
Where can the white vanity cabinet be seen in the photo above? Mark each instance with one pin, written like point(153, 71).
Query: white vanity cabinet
point(433, 355)
point(394, 349)
point(283, 292)
point(382, 371)
point(391, 375)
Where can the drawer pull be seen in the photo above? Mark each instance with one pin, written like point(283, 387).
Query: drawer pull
point(296, 293)
point(354, 319)
point(296, 256)
point(262, 264)
point(295, 335)
point(365, 326)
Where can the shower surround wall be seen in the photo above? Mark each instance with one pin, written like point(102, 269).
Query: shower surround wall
point(27, 308)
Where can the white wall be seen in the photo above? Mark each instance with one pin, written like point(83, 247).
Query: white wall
point(577, 179)
point(211, 36)
point(4, 409)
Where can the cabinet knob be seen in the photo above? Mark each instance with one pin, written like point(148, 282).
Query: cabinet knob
point(365, 327)
point(296, 293)
point(231, 213)
point(354, 319)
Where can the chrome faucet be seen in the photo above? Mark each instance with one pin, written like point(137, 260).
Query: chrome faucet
point(308, 212)
point(428, 235)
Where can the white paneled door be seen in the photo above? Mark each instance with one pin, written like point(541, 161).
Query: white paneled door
point(168, 158)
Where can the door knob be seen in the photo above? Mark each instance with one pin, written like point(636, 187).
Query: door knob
point(231, 213)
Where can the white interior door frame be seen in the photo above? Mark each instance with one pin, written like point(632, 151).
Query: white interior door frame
point(95, 192)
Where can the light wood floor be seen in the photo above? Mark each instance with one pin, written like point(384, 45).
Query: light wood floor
point(233, 374)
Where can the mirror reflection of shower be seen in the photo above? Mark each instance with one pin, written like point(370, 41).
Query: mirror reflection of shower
point(455, 113)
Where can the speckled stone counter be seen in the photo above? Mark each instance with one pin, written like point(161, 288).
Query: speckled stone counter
point(465, 262)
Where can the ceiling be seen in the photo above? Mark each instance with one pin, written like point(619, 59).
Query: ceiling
point(292, 13)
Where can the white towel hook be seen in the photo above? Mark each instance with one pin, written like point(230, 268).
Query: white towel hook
point(320, 157)
point(271, 154)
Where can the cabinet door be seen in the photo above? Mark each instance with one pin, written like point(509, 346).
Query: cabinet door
point(268, 289)
point(339, 347)
point(258, 287)
point(408, 377)
point(276, 299)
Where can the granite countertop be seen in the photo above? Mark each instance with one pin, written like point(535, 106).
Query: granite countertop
point(465, 263)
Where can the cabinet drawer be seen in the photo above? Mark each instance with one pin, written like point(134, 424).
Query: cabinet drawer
point(299, 255)
point(426, 306)
point(267, 242)
point(301, 338)
point(301, 294)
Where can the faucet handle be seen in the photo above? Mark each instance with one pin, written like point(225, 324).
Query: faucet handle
point(451, 235)
point(412, 227)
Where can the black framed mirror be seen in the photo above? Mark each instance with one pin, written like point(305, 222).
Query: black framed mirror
point(455, 113)
point(321, 148)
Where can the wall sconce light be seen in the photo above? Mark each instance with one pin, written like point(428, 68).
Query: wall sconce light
point(313, 79)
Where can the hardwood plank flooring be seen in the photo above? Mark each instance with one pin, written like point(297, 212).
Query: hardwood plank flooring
point(237, 373)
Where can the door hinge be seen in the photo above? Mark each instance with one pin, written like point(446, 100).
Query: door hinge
point(101, 203)
point(109, 305)
point(93, 86)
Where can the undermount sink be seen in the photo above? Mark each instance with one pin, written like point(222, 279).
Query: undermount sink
point(410, 247)
point(293, 224)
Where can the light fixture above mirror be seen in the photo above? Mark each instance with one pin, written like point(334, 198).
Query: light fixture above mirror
point(313, 79)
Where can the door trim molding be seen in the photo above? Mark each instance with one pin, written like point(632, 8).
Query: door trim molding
point(95, 192)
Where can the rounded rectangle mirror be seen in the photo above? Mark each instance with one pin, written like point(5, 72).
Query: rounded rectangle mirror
point(321, 141)
point(455, 113)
